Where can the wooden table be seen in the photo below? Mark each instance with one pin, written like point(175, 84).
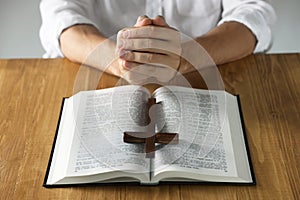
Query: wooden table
point(31, 94)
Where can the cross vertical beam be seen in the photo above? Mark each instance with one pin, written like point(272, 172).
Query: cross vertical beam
point(150, 141)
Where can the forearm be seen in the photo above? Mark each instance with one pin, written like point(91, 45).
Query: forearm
point(80, 43)
point(228, 42)
point(225, 43)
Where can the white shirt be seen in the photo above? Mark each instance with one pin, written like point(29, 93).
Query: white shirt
point(191, 17)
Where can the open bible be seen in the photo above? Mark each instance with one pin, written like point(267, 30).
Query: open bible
point(89, 149)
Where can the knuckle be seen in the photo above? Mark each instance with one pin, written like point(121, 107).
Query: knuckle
point(146, 57)
point(150, 58)
point(120, 32)
point(130, 56)
point(130, 44)
point(122, 65)
point(150, 43)
point(151, 30)
point(144, 44)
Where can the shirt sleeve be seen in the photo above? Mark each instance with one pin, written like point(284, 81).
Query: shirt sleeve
point(58, 15)
point(257, 15)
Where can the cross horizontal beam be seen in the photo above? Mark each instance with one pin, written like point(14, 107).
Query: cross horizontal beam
point(140, 137)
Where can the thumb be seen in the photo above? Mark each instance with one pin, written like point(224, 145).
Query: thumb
point(159, 21)
point(143, 20)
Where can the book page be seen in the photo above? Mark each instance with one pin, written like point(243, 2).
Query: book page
point(199, 116)
point(101, 118)
point(62, 145)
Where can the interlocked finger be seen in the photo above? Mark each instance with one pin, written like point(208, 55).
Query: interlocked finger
point(150, 45)
point(168, 60)
point(155, 32)
point(144, 71)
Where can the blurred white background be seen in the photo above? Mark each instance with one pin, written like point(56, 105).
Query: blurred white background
point(20, 22)
point(19, 29)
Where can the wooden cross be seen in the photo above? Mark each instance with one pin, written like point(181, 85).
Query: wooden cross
point(150, 137)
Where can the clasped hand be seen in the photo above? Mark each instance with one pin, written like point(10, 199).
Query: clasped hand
point(149, 49)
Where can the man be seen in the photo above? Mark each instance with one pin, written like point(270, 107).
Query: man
point(227, 29)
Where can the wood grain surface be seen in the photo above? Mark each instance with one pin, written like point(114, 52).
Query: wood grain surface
point(32, 90)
